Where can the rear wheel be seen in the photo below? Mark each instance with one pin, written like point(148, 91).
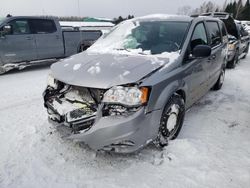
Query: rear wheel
point(220, 81)
point(171, 120)
point(82, 48)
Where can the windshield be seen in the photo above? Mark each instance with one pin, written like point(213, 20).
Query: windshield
point(143, 37)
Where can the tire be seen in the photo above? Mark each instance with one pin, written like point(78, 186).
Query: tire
point(220, 81)
point(231, 64)
point(246, 52)
point(2, 70)
point(82, 48)
point(171, 120)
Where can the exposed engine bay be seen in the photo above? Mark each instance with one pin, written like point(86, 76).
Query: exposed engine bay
point(78, 107)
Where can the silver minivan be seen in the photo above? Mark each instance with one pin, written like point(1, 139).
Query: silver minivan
point(133, 86)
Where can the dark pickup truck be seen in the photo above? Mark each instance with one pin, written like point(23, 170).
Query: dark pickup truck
point(25, 41)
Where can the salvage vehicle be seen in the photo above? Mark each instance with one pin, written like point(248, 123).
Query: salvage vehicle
point(133, 86)
point(244, 40)
point(25, 41)
point(238, 38)
point(246, 25)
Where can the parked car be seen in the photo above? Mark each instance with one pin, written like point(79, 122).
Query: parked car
point(25, 41)
point(133, 86)
point(244, 40)
point(246, 25)
point(238, 40)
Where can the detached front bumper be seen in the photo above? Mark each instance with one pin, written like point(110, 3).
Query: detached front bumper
point(118, 133)
point(109, 127)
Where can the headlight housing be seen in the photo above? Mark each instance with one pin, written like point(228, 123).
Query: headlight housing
point(51, 82)
point(231, 47)
point(128, 96)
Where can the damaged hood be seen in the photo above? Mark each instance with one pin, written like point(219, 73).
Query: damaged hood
point(106, 70)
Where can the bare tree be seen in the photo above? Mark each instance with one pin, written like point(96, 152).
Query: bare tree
point(206, 7)
point(185, 10)
point(239, 8)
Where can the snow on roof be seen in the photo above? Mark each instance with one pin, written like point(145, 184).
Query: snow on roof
point(163, 17)
point(86, 24)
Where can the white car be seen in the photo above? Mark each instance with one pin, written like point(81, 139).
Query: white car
point(246, 25)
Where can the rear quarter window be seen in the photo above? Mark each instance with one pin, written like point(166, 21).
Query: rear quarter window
point(42, 26)
point(214, 32)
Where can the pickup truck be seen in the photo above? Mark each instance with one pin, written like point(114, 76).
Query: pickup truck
point(25, 41)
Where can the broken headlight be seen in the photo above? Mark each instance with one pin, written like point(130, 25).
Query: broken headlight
point(51, 81)
point(128, 96)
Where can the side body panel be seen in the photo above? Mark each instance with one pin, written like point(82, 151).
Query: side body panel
point(73, 40)
point(17, 47)
point(49, 44)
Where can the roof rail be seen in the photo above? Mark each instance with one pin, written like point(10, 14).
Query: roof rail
point(194, 15)
point(221, 15)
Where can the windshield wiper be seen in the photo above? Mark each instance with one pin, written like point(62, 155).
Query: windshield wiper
point(125, 49)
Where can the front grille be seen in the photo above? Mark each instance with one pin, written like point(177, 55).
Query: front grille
point(75, 107)
point(76, 127)
point(80, 113)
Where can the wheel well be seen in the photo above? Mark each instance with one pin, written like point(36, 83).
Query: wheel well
point(85, 47)
point(181, 93)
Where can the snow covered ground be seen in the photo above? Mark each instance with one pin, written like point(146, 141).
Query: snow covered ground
point(213, 149)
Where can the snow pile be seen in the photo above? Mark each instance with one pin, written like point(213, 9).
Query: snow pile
point(211, 151)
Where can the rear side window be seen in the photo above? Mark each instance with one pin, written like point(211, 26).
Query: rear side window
point(199, 36)
point(40, 26)
point(19, 27)
point(214, 32)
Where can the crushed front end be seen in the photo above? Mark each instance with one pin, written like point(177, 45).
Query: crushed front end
point(86, 116)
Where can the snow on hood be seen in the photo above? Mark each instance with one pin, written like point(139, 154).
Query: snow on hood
point(107, 70)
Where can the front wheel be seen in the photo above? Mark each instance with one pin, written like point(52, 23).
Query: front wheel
point(171, 120)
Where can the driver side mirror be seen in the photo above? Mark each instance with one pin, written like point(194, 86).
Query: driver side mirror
point(201, 51)
point(5, 30)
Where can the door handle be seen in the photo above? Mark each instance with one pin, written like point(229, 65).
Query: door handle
point(57, 37)
point(28, 38)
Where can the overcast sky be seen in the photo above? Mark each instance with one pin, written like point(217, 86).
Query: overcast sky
point(94, 8)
